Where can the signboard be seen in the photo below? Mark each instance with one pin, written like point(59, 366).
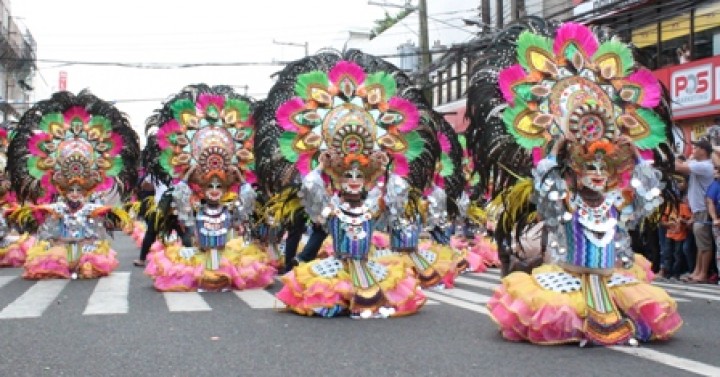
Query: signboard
point(694, 87)
point(62, 81)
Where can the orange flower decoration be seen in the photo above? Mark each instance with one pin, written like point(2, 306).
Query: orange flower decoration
point(360, 158)
point(601, 146)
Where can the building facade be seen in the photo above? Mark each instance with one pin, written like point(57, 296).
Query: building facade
point(17, 65)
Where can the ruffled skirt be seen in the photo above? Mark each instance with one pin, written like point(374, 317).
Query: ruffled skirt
point(432, 263)
point(14, 253)
point(330, 287)
point(237, 266)
point(58, 261)
point(553, 306)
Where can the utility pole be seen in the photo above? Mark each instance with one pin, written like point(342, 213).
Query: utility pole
point(294, 44)
point(424, 52)
point(424, 43)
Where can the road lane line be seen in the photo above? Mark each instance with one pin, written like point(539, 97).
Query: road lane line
point(110, 295)
point(470, 296)
point(259, 299)
point(690, 287)
point(6, 279)
point(703, 296)
point(483, 284)
point(457, 302)
point(670, 360)
point(185, 302)
point(35, 300)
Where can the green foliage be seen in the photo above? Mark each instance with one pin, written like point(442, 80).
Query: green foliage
point(386, 23)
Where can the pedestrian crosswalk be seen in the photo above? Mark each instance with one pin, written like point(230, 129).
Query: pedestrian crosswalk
point(112, 295)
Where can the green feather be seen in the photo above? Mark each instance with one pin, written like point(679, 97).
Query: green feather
point(621, 50)
point(416, 145)
point(242, 107)
point(657, 130)
point(164, 160)
point(180, 106)
point(570, 51)
point(509, 115)
point(523, 92)
point(305, 80)
point(462, 141)
point(33, 169)
point(529, 40)
point(286, 141)
point(47, 119)
point(116, 168)
point(385, 79)
point(101, 120)
point(447, 165)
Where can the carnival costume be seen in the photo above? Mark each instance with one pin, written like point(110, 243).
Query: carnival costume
point(13, 244)
point(205, 140)
point(356, 138)
point(67, 152)
point(585, 112)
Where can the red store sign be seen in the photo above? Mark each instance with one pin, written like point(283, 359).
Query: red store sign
point(694, 87)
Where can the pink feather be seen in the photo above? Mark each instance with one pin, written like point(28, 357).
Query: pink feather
point(346, 68)
point(76, 112)
point(206, 99)
point(163, 135)
point(401, 166)
point(117, 144)
point(106, 184)
point(651, 87)
point(444, 142)
point(286, 111)
point(250, 177)
point(409, 112)
point(537, 155)
point(303, 163)
point(35, 141)
point(439, 181)
point(49, 188)
point(507, 78)
point(581, 35)
point(3, 134)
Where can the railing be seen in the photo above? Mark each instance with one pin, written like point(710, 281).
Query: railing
point(450, 83)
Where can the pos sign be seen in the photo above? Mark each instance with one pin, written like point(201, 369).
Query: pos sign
point(692, 86)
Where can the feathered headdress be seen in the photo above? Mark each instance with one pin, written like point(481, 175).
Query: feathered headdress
point(206, 133)
point(590, 91)
point(73, 140)
point(352, 112)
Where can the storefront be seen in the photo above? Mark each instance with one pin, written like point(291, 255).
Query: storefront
point(695, 94)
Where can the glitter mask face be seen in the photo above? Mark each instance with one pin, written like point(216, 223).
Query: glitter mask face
point(214, 190)
point(353, 181)
point(595, 175)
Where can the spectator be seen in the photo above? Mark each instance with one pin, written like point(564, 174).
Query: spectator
point(713, 204)
point(676, 220)
point(700, 171)
point(683, 54)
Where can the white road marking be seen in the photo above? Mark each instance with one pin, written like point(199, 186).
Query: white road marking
point(457, 302)
point(110, 295)
point(670, 360)
point(185, 302)
point(6, 279)
point(259, 299)
point(35, 300)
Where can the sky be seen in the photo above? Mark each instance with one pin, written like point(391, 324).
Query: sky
point(172, 32)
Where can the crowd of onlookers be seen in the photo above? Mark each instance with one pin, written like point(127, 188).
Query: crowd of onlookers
point(689, 231)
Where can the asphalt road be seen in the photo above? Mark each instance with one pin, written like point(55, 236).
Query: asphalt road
point(120, 326)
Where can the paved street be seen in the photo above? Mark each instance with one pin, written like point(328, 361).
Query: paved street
point(120, 326)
